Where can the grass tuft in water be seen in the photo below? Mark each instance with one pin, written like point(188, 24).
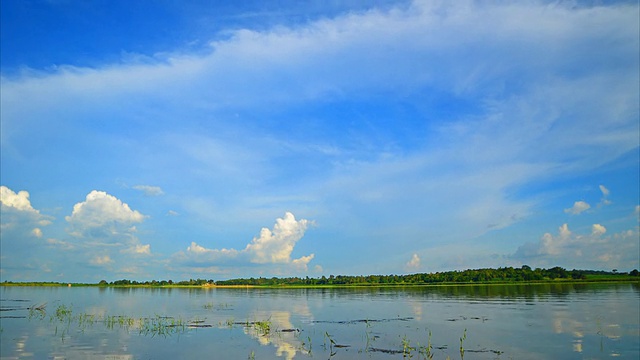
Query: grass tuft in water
point(462, 339)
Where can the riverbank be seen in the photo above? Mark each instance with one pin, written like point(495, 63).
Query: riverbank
point(589, 280)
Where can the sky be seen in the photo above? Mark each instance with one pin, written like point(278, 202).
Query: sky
point(196, 139)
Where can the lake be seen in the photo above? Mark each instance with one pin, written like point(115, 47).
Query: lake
point(546, 321)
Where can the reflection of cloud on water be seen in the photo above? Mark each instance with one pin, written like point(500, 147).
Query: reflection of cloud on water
point(21, 345)
point(563, 323)
point(417, 310)
point(286, 343)
point(303, 310)
point(577, 346)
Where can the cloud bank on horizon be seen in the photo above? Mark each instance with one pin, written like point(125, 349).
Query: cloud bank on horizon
point(405, 136)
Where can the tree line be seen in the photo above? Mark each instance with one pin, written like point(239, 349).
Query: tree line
point(503, 274)
point(487, 275)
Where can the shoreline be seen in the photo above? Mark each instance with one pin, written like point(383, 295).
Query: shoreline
point(330, 286)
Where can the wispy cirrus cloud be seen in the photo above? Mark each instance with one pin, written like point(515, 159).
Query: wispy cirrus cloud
point(405, 122)
point(150, 190)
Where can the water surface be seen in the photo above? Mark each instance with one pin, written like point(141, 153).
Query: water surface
point(569, 321)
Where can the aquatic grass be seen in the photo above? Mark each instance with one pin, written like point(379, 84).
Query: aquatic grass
point(331, 344)
point(306, 346)
point(63, 312)
point(38, 311)
point(66, 320)
point(162, 325)
point(407, 349)
point(230, 322)
point(428, 354)
point(263, 327)
point(462, 339)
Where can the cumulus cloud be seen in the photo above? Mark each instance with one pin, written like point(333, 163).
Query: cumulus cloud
point(302, 262)
point(598, 230)
point(275, 246)
point(18, 201)
point(149, 190)
point(272, 246)
point(19, 221)
point(102, 215)
point(414, 263)
point(103, 230)
point(200, 255)
point(593, 250)
point(577, 208)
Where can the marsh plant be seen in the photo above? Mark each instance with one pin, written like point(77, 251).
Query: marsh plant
point(64, 317)
point(262, 327)
point(462, 339)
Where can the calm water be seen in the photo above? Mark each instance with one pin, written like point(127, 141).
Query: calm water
point(589, 321)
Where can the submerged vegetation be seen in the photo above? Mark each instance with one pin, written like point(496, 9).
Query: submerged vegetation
point(475, 276)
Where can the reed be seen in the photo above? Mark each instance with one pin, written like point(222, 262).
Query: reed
point(462, 339)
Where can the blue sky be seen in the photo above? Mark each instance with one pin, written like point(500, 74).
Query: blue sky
point(197, 139)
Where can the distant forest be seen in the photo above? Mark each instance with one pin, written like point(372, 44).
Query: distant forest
point(500, 275)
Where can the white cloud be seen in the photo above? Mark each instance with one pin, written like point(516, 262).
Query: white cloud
point(197, 249)
point(37, 232)
point(598, 230)
point(270, 247)
point(302, 262)
point(149, 190)
point(592, 250)
point(605, 196)
point(414, 263)
point(102, 215)
point(64, 245)
point(578, 207)
point(101, 260)
point(138, 249)
point(21, 226)
point(203, 255)
point(172, 213)
point(104, 232)
point(275, 246)
point(532, 85)
point(19, 201)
